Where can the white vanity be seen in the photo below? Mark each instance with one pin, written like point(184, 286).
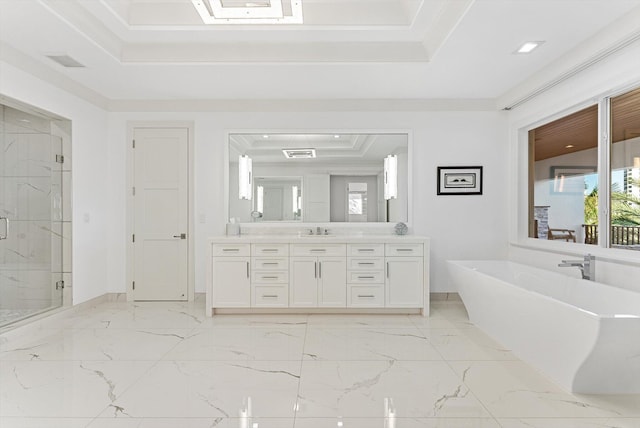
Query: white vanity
point(318, 274)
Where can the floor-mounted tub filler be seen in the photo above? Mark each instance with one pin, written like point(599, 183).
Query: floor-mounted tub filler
point(582, 334)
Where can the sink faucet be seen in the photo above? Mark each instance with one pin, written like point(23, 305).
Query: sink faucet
point(587, 266)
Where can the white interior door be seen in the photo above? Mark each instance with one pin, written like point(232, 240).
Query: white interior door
point(161, 214)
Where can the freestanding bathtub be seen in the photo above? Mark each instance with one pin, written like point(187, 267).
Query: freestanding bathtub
point(582, 334)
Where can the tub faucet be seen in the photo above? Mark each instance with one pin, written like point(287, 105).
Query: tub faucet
point(587, 266)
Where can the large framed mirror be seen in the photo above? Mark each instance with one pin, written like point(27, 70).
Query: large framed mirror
point(319, 177)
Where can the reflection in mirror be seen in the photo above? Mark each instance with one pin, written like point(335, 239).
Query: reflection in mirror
point(319, 177)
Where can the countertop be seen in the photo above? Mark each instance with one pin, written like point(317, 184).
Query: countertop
point(319, 239)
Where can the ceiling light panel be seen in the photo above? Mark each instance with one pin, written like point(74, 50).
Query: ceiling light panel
point(249, 11)
point(528, 47)
point(299, 153)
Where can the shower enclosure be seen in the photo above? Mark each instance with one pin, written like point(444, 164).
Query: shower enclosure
point(31, 212)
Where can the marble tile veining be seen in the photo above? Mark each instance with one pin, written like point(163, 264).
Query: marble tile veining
point(165, 364)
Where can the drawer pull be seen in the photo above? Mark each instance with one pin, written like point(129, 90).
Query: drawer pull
point(269, 277)
point(362, 250)
point(316, 250)
point(270, 264)
point(248, 276)
point(231, 250)
point(366, 277)
point(404, 249)
point(365, 263)
point(269, 296)
point(269, 250)
point(366, 296)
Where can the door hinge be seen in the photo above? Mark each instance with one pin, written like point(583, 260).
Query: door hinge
point(134, 285)
point(134, 144)
point(133, 238)
point(59, 285)
point(59, 159)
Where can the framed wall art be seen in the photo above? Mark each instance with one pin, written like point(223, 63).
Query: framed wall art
point(459, 180)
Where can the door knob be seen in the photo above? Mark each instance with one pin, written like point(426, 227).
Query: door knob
point(181, 236)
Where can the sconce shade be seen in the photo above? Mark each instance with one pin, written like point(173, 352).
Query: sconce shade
point(391, 177)
point(245, 179)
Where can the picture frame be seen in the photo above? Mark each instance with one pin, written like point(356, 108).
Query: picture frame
point(459, 180)
point(569, 180)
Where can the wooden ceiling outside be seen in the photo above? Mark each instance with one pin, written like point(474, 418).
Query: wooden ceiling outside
point(580, 129)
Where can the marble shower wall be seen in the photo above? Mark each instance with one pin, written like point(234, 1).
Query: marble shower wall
point(32, 190)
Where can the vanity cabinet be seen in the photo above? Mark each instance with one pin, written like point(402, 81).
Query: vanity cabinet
point(404, 273)
point(231, 276)
point(269, 275)
point(385, 274)
point(318, 276)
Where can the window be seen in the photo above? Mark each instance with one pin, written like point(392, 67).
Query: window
point(567, 164)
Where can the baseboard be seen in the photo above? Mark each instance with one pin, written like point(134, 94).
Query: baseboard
point(448, 297)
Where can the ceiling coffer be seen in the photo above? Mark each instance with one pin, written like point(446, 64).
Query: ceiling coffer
point(249, 11)
point(299, 153)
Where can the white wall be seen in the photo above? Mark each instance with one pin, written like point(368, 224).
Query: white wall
point(618, 72)
point(91, 183)
point(460, 226)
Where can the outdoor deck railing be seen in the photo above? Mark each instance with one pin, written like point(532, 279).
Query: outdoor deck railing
point(620, 235)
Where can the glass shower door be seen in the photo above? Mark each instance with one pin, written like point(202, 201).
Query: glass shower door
point(30, 216)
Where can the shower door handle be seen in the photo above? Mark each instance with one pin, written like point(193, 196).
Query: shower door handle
point(6, 228)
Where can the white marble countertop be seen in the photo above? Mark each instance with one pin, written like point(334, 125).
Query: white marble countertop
point(318, 239)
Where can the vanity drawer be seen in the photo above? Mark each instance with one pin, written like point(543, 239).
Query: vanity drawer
point(235, 250)
point(268, 263)
point(359, 250)
point(361, 263)
point(318, 250)
point(366, 277)
point(365, 296)
point(269, 249)
point(270, 296)
point(265, 277)
point(393, 250)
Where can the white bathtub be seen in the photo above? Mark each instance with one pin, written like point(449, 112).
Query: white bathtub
point(582, 334)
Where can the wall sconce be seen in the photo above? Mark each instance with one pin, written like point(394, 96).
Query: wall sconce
point(391, 177)
point(260, 199)
point(294, 199)
point(245, 178)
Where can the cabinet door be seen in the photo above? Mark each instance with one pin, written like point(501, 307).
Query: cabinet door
point(404, 282)
point(332, 282)
point(231, 282)
point(303, 282)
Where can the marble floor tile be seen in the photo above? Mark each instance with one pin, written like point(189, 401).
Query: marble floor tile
point(165, 364)
point(399, 423)
point(570, 423)
point(514, 389)
point(359, 321)
point(467, 344)
point(64, 388)
point(98, 344)
point(29, 422)
point(227, 344)
point(368, 344)
point(419, 389)
point(202, 389)
point(213, 422)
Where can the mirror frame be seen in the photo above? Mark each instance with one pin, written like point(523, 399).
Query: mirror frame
point(407, 132)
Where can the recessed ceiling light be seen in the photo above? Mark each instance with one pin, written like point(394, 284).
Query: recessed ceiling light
point(528, 47)
point(265, 136)
point(336, 136)
point(569, 146)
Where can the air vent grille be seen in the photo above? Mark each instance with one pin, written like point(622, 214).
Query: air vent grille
point(299, 153)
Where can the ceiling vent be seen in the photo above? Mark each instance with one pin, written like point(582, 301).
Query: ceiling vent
point(299, 153)
point(65, 61)
point(249, 11)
